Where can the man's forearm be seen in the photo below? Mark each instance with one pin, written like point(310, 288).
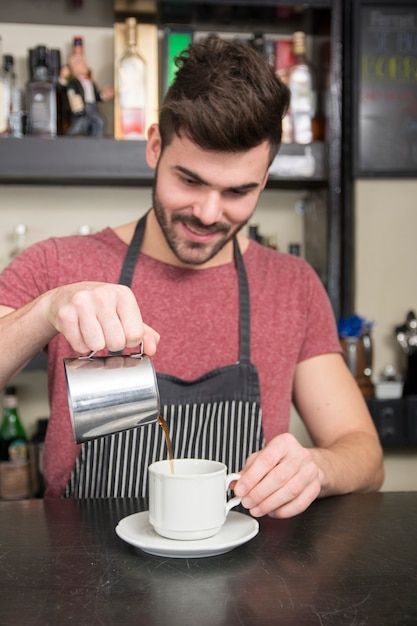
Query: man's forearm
point(23, 333)
point(352, 463)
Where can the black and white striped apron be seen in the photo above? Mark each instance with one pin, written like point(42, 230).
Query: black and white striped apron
point(216, 416)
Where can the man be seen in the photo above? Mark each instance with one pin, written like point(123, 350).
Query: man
point(237, 331)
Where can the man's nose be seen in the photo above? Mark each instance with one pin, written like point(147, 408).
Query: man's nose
point(209, 208)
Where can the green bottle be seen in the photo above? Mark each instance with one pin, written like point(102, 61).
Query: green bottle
point(14, 458)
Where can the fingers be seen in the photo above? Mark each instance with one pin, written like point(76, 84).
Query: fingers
point(281, 480)
point(94, 316)
point(150, 340)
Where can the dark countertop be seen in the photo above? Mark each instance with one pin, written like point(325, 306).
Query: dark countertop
point(346, 560)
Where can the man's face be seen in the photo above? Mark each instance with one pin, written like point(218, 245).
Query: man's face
point(202, 199)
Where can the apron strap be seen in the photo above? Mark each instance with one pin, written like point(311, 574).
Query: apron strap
point(244, 306)
point(132, 254)
point(128, 269)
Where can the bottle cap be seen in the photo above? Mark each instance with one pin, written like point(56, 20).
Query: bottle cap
point(10, 391)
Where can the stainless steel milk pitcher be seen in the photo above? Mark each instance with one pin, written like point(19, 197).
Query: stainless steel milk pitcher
point(109, 394)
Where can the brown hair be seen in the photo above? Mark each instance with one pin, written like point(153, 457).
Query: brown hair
point(224, 97)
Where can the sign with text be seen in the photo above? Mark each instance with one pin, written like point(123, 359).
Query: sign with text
point(387, 89)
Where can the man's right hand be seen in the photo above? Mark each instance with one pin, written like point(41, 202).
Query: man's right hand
point(93, 316)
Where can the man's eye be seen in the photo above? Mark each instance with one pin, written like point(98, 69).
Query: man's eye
point(238, 192)
point(190, 182)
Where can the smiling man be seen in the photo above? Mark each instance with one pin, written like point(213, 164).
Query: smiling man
point(237, 331)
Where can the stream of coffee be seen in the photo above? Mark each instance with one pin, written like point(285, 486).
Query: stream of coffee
point(165, 428)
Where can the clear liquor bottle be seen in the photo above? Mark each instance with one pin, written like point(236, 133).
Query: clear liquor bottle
point(17, 114)
point(131, 87)
point(6, 86)
point(303, 92)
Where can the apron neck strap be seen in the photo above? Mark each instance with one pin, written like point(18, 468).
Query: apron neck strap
point(128, 269)
point(132, 254)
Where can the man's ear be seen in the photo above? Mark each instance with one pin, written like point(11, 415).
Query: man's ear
point(153, 146)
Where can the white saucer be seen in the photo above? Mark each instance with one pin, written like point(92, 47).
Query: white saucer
point(136, 530)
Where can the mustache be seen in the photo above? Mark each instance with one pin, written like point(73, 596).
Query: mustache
point(194, 222)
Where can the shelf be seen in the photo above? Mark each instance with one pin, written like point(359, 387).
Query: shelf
point(105, 161)
point(73, 160)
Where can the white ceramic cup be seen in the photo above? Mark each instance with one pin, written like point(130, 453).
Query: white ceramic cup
point(190, 503)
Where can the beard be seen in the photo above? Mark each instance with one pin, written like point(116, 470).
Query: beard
point(187, 251)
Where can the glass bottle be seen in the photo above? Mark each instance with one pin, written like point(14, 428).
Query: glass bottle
point(19, 240)
point(303, 92)
point(6, 88)
point(284, 61)
point(131, 87)
point(14, 458)
point(3, 117)
point(36, 453)
point(41, 97)
point(17, 114)
point(253, 233)
point(60, 91)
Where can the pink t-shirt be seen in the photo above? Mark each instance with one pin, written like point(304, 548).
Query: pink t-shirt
point(196, 314)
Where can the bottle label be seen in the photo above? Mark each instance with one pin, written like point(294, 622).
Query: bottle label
point(18, 451)
point(14, 480)
point(132, 123)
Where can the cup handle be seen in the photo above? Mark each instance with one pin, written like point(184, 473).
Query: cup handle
point(233, 501)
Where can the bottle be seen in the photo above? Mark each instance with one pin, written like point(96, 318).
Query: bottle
point(131, 87)
point(16, 124)
point(41, 96)
point(19, 240)
point(253, 233)
point(14, 458)
point(284, 60)
point(3, 97)
point(258, 43)
point(294, 248)
point(6, 89)
point(36, 458)
point(62, 114)
point(303, 92)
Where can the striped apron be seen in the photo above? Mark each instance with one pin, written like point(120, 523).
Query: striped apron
point(216, 416)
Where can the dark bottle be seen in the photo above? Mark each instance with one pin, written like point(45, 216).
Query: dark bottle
point(254, 233)
point(63, 111)
point(14, 458)
point(294, 248)
point(36, 457)
point(41, 96)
